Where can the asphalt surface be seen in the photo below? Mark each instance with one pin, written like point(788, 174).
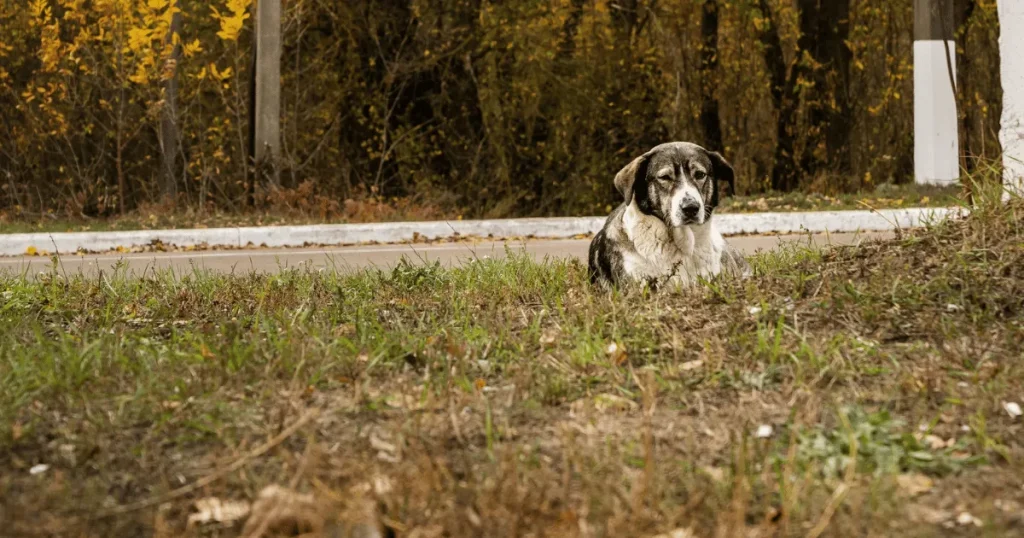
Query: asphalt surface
point(359, 257)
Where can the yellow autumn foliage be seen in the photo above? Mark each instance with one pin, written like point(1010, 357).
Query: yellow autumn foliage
point(488, 107)
point(231, 23)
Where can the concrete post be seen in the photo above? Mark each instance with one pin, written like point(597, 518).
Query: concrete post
point(1011, 54)
point(267, 133)
point(936, 147)
point(169, 137)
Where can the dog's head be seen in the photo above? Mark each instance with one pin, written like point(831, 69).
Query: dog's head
point(677, 182)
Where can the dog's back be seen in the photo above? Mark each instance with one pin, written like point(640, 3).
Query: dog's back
point(605, 257)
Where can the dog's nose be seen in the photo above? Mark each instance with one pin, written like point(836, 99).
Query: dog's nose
point(691, 208)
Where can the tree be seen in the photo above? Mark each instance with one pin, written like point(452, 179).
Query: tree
point(962, 11)
point(782, 83)
point(483, 108)
point(711, 123)
point(820, 74)
point(832, 58)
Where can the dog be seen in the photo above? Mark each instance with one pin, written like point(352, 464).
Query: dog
point(664, 232)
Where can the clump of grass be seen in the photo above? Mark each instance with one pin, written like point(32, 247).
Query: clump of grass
point(492, 401)
point(881, 445)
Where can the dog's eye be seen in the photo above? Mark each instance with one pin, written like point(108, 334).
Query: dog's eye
point(699, 175)
point(665, 177)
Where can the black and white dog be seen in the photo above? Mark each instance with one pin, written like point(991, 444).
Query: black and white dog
point(663, 234)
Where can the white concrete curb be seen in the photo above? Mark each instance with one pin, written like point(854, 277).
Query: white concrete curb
point(397, 232)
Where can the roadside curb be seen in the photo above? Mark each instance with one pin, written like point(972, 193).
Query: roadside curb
point(399, 232)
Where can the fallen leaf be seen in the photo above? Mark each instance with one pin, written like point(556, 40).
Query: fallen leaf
point(614, 402)
point(617, 353)
point(549, 337)
point(914, 484)
point(1013, 408)
point(1008, 506)
point(764, 431)
point(39, 469)
point(281, 511)
point(214, 510)
point(965, 518)
point(677, 533)
point(278, 510)
point(386, 451)
point(382, 485)
point(691, 365)
point(31, 251)
point(924, 514)
point(934, 442)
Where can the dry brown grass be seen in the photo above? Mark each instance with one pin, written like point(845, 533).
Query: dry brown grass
point(486, 400)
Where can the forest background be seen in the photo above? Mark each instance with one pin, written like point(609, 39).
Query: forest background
point(477, 108)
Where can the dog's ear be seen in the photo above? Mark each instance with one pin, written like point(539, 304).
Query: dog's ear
point(723, 172)
point(641, 186)
point(625, 180)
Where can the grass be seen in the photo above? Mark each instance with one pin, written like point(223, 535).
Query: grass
point(849, 392)
point(886, 196)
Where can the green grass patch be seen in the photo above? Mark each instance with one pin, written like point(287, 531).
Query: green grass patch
point(509, 397)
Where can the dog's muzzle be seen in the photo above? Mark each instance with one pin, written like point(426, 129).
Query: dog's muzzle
point(691, 211)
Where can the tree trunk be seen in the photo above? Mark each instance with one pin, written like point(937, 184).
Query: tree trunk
point(710, 121)
point(785, 174)
point(170, 141)
point(782, 95)
point(771, 46)
point(821, 51)
point(541, 131)
point(835, 57)
point(813, 93)
point(963, 9)
point(567, 46)
point(625, 15)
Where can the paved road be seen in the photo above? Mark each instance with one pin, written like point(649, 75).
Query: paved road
point(352, 258)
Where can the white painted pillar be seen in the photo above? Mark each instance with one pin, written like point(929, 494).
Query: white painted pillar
point(1011, 131)
point(936, 145)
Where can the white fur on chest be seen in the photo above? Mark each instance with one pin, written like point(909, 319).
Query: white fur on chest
point(675, 255)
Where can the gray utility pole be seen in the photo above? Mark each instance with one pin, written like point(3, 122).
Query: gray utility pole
point(265, 117)
point(936, 145)
point(170, 140)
